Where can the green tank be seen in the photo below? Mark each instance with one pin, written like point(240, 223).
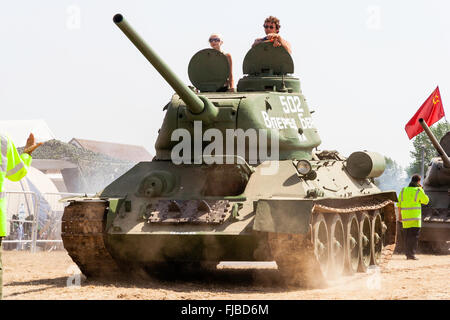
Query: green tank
point(435, 230)
point(237, 176)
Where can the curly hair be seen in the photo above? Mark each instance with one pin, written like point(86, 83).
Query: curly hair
point(275, 21)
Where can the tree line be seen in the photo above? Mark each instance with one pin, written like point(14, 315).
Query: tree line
point(395, 176)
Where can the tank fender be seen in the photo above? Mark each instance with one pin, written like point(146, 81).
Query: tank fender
point(283, 215)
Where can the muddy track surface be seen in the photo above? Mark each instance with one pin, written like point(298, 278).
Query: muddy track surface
point(46, 275)
point(54, 275)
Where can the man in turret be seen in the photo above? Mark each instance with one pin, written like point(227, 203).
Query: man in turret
point(272, 29)
point(410, 200)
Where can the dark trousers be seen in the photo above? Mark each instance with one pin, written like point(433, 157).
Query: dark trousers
point(411, 241)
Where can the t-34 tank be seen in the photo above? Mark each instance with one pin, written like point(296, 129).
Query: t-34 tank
point(436, 214)
point(236, 177)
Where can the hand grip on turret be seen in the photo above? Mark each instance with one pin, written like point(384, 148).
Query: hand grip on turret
point(435, 143)
point(200, 107)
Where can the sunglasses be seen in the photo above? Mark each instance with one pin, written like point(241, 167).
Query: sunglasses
point(214, 40)
point(268, 27)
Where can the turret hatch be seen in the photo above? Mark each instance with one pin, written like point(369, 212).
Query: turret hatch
point(209, 70)
point(265, 59)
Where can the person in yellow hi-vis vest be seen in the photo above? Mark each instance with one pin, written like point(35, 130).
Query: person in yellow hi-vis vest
point(410, 200)
point(13, 167)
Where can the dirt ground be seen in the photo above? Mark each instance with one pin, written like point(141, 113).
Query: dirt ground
point(46, 275)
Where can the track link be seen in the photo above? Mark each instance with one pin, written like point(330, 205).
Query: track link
point(82, 235)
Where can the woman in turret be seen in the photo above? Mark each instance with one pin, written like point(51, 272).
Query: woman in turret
point(215, 41)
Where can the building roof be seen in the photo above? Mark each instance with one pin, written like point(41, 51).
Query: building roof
point(83, 170)
point(116, 150)
point(52, 164)
point(19, 130)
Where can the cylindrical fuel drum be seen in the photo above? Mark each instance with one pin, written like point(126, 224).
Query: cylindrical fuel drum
point(364, 164)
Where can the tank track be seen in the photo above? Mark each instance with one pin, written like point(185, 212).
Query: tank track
point(82, 235)
point(294, 253)
point(83, 238)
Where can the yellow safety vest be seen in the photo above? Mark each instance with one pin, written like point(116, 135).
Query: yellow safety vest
point(411, 199)
point(13, 167)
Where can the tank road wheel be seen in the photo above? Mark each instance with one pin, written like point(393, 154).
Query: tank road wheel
point(376, 239)
point(351, 228)
point(364, 242)
point(336, 238)
point(320, 241)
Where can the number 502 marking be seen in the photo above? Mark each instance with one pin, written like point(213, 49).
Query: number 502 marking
point(291, 104)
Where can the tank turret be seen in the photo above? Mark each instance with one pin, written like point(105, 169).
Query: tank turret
point(268, 99)
point(436, 215)
point(439, 170)
point(437, 146)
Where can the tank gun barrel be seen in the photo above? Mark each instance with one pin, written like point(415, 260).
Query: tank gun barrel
point(194, 103)
point(435, 143)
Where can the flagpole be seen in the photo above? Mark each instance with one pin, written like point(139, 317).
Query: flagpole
point(446, 122)
point(422, 165)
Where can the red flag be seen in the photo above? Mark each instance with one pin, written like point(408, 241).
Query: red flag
point(431, 111)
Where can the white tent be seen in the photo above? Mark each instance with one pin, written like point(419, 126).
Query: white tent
point(32, 194)
point(34, 177)
point(19, 130)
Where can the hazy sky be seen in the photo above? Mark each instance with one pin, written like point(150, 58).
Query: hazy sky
point(365, 66)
